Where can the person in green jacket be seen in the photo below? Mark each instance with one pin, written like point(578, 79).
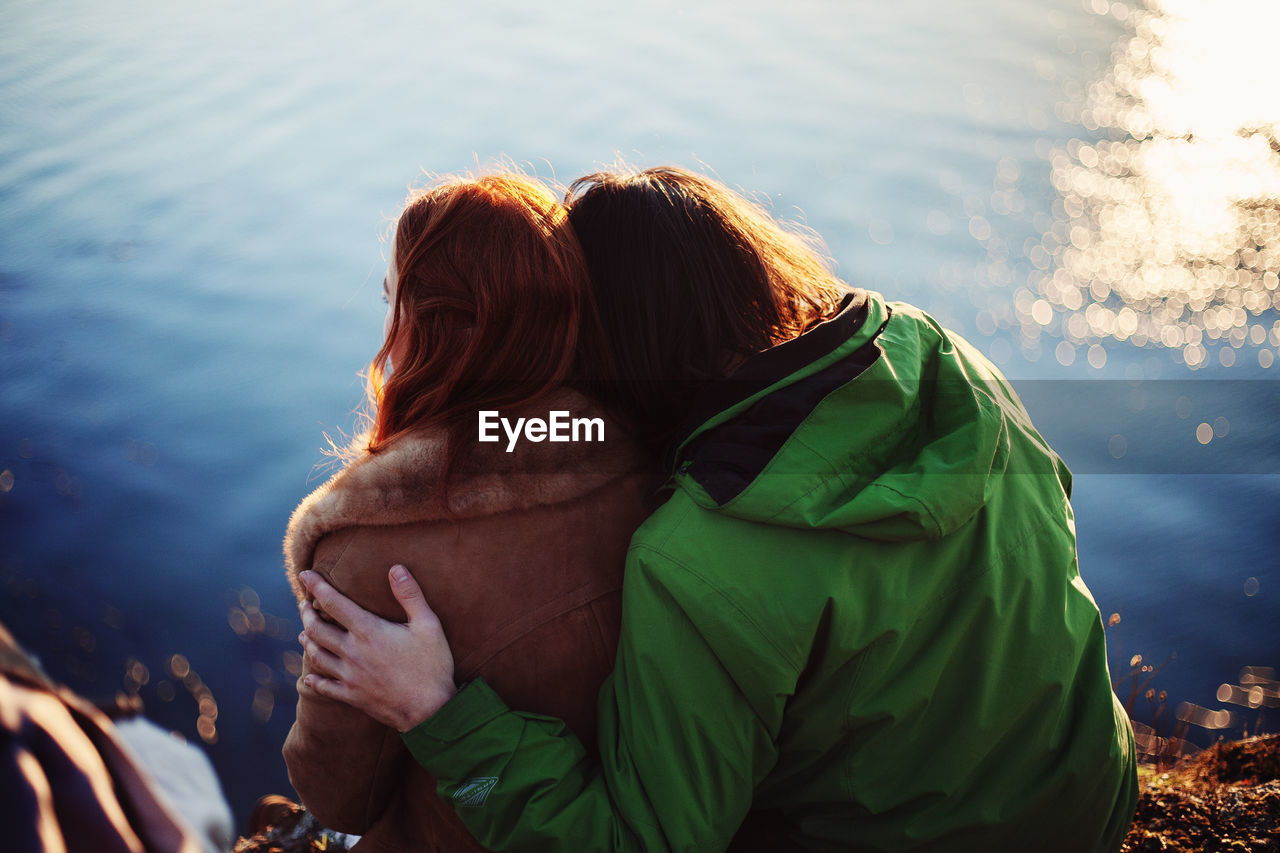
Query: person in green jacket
point(855, 622)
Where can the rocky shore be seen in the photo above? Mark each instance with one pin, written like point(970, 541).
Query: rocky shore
point(1226, 798)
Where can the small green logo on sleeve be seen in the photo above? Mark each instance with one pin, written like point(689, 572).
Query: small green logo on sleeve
point(474, 791)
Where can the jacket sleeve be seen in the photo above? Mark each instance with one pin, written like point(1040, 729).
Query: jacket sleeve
point(688, 727)
point(343, 764)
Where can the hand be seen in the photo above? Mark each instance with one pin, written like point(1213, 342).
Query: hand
point(398, 674)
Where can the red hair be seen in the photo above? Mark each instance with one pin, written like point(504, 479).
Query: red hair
point(493, 308)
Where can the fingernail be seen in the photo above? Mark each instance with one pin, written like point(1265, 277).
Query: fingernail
point(310, 681)
point(302, 637)
point(399, 573)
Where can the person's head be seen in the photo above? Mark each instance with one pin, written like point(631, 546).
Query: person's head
point(489, 307)
point(689, 278)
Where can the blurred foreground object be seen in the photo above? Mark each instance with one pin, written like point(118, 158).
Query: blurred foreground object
point(72, 784)
point(183, 772)
point(279, 825)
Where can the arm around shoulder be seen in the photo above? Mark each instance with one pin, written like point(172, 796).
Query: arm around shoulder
point(682, 744)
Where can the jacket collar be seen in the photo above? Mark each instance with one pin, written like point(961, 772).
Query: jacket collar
point(761, 372)
point(401, 483)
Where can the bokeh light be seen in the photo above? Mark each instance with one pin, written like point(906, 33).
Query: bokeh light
point(1166, 232)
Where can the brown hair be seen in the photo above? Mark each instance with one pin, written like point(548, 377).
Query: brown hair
point(689, 277)
point(492, 309)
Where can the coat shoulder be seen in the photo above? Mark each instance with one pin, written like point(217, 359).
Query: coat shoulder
point(402, 483)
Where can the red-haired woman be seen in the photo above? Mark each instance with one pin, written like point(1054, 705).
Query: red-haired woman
point(518, 542)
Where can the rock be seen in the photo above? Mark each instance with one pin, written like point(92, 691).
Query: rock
point(1225, 799)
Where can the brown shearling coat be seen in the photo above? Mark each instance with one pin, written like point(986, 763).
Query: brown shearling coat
point(525, 577)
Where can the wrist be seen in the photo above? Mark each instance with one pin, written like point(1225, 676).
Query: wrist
point(425, 710)
point(475, 707)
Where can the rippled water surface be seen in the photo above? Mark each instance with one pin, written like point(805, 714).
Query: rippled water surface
point(191, 204)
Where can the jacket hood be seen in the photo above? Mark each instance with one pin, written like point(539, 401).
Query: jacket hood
point(894, 429)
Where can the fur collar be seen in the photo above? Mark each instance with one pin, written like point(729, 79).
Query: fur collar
point(401, 483)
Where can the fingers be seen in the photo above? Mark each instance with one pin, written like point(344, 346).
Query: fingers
point(346, 612)
point(321, 632)
point(320, 641)
point(409, 594)
point(320, 660)
point(329, 688)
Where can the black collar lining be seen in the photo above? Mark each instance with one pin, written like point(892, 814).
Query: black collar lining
point(774, 364)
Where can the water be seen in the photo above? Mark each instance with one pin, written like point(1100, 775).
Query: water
point(191, 208)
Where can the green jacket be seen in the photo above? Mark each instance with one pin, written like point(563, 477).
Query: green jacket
point(857, 623)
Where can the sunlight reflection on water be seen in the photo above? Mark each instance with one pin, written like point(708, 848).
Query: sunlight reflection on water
point(1166, 228)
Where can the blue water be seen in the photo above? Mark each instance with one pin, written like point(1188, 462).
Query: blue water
point(192, 200)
